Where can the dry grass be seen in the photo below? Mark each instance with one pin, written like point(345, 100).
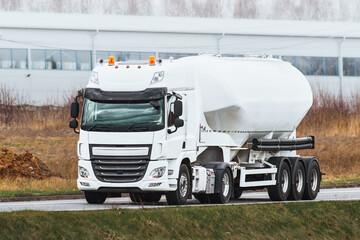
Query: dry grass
point(50, 184)
point(336, 125)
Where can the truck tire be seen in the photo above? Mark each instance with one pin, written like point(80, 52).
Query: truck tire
point(202, 198)
point(312, 185)
point(298, 181)
point(151, 197)
point(181, 194)
point(281, 191)
point(95, 197)
point(226, 188)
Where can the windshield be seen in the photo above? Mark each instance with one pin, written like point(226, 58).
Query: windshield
point(123, 117)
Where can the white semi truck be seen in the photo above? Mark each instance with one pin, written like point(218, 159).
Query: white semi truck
point(202, 126)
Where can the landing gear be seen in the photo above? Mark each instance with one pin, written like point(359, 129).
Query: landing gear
point(281, 191)
point(181, 194)
point(312, 185)
point(95, 197)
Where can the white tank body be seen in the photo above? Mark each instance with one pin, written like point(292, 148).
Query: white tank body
point(251, 97)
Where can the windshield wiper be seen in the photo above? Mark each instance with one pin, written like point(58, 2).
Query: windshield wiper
point(137, 125)
point(98, 127)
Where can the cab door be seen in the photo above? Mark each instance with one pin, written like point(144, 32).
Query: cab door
point(176, 125)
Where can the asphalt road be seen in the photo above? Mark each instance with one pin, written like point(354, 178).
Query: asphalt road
point(339, 194)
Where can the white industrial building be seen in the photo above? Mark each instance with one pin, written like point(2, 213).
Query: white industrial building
point(45, 57)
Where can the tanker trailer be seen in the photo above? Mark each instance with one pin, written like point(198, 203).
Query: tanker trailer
point(204, 125)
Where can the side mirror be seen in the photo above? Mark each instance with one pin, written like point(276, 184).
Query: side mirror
point(74, 109)
point(74, 124)
point(178, 108)
point(178, 123)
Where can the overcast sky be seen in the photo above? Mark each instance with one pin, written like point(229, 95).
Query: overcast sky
point(323, 10)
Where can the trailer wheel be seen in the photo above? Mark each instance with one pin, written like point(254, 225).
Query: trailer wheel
point(226, 188)
point(181, 194)
point(202, 198)
point(312, 185)
point(281, 191)
point(298, 182)
point(95, 197)
point(152, 197)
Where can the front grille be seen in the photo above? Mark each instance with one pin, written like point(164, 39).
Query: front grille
point(119, 170)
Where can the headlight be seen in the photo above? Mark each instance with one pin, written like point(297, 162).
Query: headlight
point(158, 76)
point(83, 172)
point(94, 78)
point(158, 172)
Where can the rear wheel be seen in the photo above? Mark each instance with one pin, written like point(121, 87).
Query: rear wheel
point(181, 194)
point(95, 197)
point(298, 182)
point(312, 185)
point(226, 188)
point(281, 191)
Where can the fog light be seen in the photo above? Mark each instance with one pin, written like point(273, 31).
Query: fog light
point(170, 172)
point(158, 172)
point(85, 184)
point(83, 172)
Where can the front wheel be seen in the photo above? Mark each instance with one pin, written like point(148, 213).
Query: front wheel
point(95, 197)
point(181, 194)
point(226, 188)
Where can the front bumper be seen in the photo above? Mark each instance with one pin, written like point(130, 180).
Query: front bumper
point(147, 183)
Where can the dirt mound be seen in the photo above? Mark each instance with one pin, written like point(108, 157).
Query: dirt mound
point(23, 165)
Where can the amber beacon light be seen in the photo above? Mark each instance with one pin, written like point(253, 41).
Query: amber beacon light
point(152, 61)
point(111, 61)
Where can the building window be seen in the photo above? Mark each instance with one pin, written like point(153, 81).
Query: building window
point(166, 55)
point(38, 59)
point(349, 66)
point(331, 66)
point(145, 55)
point(84, 60)
point(317, 66)
point(68, 59)
point(289, 59)
point(303, 64)
point(5, 58)
point(53, 59)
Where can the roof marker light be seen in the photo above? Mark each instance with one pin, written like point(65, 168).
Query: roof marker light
point(116, 66)
point(127, 66)
point(111, 60)
point(139, 66)
point(152, 61)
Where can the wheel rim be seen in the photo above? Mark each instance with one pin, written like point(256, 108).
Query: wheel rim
point(314, 180)
point(183, 185)
point(225, 184)
point(299, 180)
point(285, 181)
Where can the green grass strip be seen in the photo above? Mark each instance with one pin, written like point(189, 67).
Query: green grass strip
point(309, 220)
